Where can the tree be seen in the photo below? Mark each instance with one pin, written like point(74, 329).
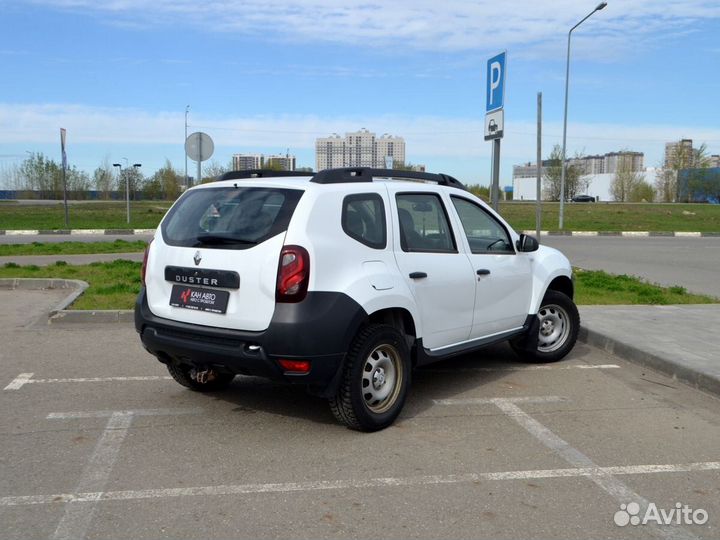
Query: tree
point(552, 177)
point(480, 191)
point(683, 157)
point(103, 179)
point(38, 173)
point(165, 183)
point(642, 192)
point(626, 181)
point(212, 170)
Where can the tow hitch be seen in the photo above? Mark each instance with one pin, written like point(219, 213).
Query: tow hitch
point(202, 376)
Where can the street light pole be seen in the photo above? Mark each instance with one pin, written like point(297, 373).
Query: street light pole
point(119, 166)
point(136, 166)
point(600, 6)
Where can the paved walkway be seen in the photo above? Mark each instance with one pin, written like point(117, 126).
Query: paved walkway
point(678, 340)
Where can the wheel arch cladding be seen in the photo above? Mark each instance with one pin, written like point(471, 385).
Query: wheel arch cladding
point(564, 285)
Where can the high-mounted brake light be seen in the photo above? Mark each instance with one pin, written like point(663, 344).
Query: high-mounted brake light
point(143, 269)
point(293, 274)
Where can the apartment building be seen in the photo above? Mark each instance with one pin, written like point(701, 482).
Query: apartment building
point(358, 149)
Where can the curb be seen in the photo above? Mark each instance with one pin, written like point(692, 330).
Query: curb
point(131, 232)
point(696, 379)
point(76, 232)
point(60, 314)
point(631, 234)
point(29, 284)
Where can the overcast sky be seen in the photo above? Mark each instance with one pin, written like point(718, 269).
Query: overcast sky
point(268, 76)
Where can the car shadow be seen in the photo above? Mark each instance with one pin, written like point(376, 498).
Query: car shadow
point(441, 380)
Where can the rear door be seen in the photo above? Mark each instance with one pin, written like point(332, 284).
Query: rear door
point(215, 259)
point(438, 275)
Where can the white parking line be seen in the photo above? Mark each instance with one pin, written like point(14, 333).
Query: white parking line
point(323, 485)
point(524, 368)
point(26, 378)
point(602, 478)
point(77, 518)
point(494, 401)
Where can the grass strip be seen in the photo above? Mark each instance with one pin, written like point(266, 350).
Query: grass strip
point(72, 248)
point(115, 285)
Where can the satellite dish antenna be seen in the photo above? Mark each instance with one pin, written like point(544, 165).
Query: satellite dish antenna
point(199, 147)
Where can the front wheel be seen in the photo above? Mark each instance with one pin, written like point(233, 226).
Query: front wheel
point(375, 379)
point(559, 323)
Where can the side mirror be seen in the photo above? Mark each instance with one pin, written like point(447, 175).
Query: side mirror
point(526, 243)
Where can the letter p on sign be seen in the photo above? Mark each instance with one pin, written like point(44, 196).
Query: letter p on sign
point(495, 82)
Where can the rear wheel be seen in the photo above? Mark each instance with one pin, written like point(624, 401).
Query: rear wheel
point(559, 323)
point(211, 382)
point(375, 379)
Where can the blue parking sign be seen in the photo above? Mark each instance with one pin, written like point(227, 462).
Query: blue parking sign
point(495, 95)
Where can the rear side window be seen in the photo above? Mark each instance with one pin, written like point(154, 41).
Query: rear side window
point(363, 218)
point(424, 224)
point(229, 217)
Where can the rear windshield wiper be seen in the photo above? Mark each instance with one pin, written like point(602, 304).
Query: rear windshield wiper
point(223, 239)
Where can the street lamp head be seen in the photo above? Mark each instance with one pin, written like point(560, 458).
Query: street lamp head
point(117, 165)
point(600, 6)
point(137, 164)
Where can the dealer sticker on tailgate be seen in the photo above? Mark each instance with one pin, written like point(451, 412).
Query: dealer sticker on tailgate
point(199, 299)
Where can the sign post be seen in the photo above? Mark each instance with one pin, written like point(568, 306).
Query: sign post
point(199, 147)
point(495, 117)
point(63, 134)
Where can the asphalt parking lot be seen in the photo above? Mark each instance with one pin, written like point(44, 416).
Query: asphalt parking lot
point(96, 442)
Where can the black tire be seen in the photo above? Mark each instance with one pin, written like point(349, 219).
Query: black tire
point(181, 374)
point(378, 356)
point(558, 329)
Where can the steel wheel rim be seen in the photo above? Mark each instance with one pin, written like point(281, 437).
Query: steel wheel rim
point(554, 328)
point(382, 378)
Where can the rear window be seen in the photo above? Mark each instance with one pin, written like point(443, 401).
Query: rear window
point(229, 217)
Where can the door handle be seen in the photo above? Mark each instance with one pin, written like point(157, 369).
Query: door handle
point(418, 275)
point(483, 272)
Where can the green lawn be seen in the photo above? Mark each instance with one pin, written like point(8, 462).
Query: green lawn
point(616, 216)
point(86, 215)
point(114, 285)
point(578, 216)
point(72, 248)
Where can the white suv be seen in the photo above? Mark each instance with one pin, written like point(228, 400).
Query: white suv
point(343, 281)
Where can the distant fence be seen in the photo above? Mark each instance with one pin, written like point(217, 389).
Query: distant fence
point(91, 195)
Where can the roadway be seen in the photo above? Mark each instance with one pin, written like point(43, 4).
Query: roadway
point(690, 262)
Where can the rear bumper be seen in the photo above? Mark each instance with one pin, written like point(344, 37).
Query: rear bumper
point(318, 329)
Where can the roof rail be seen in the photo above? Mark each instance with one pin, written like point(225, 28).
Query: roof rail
point(259, 173)
point(366, 174)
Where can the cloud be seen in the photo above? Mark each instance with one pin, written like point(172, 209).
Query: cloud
point(451, 25)
point(426, 136)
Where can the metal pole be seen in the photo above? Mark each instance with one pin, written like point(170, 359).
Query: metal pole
point(600, 6)
point(187, 109)
point(199, 162)
point(127, 193)
point(495, 195)
point(562, 163)
point(67, 216)
point(538, 192)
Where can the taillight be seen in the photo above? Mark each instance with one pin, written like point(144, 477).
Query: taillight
point(293, 274)
point(143, 270)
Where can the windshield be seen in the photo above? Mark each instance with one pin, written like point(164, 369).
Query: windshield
point(229, 217)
